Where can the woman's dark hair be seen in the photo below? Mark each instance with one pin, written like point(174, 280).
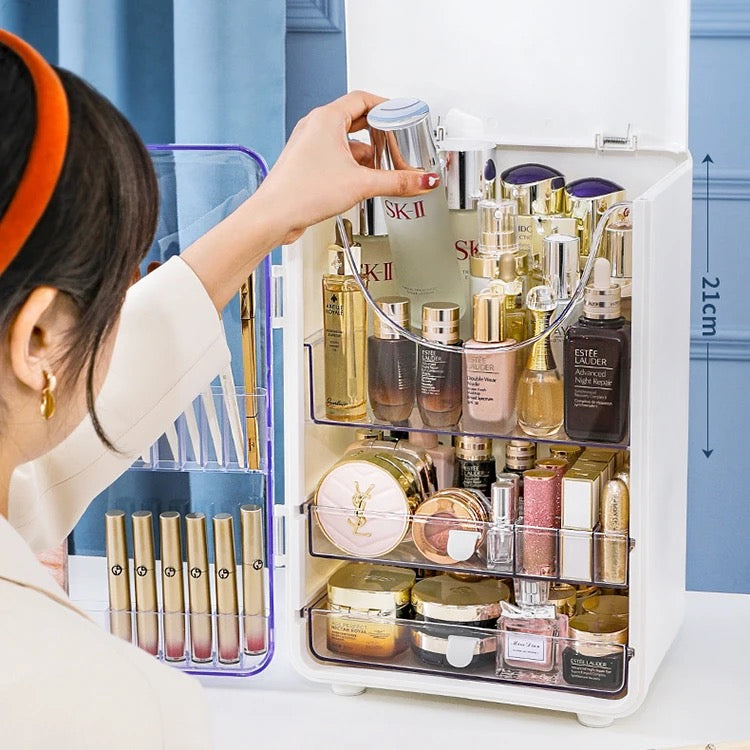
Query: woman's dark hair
point(99, 223)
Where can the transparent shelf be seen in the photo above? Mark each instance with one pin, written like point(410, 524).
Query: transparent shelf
point(317, 412)
point(459, 545)
point(460, 650)
point(223, 430)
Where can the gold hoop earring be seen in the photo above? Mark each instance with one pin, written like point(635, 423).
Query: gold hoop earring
point(48, 404)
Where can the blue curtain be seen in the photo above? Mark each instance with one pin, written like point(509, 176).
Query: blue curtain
point(182, 71)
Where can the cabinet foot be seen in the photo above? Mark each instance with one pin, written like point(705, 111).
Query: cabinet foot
point(347, 690)
point(595, 721)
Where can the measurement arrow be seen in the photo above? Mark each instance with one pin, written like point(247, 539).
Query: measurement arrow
point(708, 161)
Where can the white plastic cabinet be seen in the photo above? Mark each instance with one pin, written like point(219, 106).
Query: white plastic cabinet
point(592, 89)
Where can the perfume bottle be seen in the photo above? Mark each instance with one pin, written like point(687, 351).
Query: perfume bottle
point(585, 201)
point(597, 355)
point(392, 361)
point(540, 389)
point(475, 464)
point(439, 392)
point(443, 457)
point(560, 254)
point(424, 261)
point(500, 536)
point(345, 335)
point(489, 376)
point(529, 634)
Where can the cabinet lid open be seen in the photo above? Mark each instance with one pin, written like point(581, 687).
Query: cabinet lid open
point(579, 75)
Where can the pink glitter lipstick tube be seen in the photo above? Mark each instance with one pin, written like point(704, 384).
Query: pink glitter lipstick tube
point(538, 541)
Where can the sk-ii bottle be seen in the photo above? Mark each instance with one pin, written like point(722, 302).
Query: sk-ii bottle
point(424, 260)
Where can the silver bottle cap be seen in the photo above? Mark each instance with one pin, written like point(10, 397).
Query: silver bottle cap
point(560, 264)
point(463, 165)
point(401, 135)
point(369, 218)
point(498, 225)
point(504, 500)
point(398, 309)
point(601, 300)
point(440, 322)
point(531, 593)
point(618, 249)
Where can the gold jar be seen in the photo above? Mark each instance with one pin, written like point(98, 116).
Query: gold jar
point(365, 602)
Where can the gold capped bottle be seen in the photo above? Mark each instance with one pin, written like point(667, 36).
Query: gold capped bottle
point(345, 335)
point(540, 389)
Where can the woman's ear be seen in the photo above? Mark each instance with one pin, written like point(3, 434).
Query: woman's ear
point(34, 337)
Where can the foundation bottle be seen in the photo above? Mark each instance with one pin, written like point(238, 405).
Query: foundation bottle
point(439, 391)
point(475, 463)
point(540, 389)
point(529, 636)
point(443, 457)
point(597, 356)
point(489, 376)
point(345, 335)
point(392, 363)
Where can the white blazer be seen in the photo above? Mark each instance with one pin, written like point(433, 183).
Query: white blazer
point(65, 682)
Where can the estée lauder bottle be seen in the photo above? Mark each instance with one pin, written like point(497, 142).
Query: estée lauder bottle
point(345, 335)
point(597, 361)
point(392, 363)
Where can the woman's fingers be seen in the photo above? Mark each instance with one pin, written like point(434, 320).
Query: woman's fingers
point(398, 182)
point(354, 107)
point(362, 153)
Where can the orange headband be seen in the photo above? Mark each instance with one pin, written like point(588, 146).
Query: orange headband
point(46, 156)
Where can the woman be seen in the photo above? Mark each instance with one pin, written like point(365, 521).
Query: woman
point(91, 370)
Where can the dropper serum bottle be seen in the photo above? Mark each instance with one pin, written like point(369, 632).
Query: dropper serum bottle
point(540, 389)
point(597, 360)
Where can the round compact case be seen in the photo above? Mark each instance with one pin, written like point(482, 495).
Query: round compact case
point(369, 599)
point(364, 503)
point(442, 605)
point(451, 525)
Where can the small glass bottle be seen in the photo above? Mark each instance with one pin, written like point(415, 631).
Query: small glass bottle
point(560, 254)
point(370, 231)
point(392, 361)
point(443, 457)
point(489, 376)
point(439, 392)
point(529, 634)
point(475, 464)
point(345, 335)
point(597, 356)
point(540, 389)
point(500, 537)
point(618, 250)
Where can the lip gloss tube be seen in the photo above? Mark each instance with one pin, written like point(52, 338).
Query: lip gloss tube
point(540, 523)
point(253, 580)
point(118, 576)
point(227, 607)
point(173, 588)
point(199, 588)
point(146, 607)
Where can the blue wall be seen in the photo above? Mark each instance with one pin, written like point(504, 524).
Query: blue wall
point(719, 511)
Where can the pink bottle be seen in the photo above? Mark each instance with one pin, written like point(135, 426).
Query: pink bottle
point(531, 636)
point(538, 542)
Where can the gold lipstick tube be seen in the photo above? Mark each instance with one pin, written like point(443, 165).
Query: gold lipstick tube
point(199, 588)
point(253, 580)
point(247, 318)
point(118, 576)
point(615, 510)
point(227, 607)
point(173, 587)
point(146, 606)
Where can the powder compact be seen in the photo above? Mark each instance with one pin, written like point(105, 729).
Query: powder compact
point(442, 605)
point(369, 599)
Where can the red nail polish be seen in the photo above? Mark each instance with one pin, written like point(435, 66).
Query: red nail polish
point(429, 180)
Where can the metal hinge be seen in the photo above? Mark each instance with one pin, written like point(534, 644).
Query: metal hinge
point(279, 536)
point(277, 296)
point(627, 142)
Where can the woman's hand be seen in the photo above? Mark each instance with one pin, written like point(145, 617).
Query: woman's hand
point(321, 173)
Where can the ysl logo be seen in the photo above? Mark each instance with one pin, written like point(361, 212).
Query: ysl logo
point(359, 501)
